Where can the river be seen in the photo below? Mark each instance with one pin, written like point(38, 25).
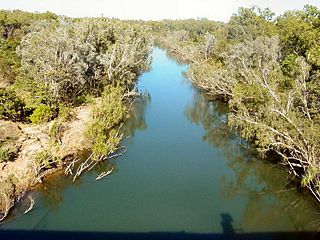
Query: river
point(184, 171)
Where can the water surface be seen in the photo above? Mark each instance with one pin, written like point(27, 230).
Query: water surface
point(183, 171)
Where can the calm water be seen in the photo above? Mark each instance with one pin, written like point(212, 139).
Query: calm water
point(183, 171)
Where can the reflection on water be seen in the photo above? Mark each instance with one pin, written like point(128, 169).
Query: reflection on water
point(212, 117)
point(137, 119)
point(269, 190)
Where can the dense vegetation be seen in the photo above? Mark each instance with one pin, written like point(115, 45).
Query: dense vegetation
point(51, 62)
point(268, 71)
point(13, 26)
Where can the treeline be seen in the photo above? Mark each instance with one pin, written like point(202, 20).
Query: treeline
point(268, 71)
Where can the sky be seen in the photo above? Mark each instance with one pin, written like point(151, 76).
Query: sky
point(219, 10)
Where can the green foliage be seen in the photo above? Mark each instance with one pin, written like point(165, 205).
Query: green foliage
point(250, 23)
point(299, 32)
point(289, 66)
point(252, 96)
point(55, 130)
point(11, 107)
point(103, 130)
point(4, 154)
point(43, 113)
point(84, 99)
point(8, 151)
point(46, 160)
point(9, 61)
point(75, 58)
point(66, 113)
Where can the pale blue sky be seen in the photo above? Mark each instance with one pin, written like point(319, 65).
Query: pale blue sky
point(152, 9)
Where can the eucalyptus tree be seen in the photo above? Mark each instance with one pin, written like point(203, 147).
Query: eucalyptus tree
point(77, 57)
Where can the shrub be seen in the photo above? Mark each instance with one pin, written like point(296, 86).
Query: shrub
point(66, 113)
point(45, 159)
point(11, 107)
point(56, 131)
point(84, 99)
point(7, 194)
point(41, 114)
point(103, 129)
point(4, 155)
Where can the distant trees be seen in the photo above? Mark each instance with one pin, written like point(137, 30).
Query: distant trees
point(190, 40)
point(250, 23)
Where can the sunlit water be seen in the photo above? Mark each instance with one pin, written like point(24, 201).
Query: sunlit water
point(183, 171)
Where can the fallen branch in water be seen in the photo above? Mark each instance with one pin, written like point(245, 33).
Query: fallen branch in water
point(69, 168)
point(30, 206)
point(83, 166)
point(132, 93)
point(103, 174)
point(118, 154)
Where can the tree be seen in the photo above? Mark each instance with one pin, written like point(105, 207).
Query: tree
point(250, 23)
point(74, 58)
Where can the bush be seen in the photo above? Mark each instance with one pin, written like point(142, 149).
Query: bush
point(45, 159)
point(103, 129)
point(8, 152)
point(56, 131)
point(84, 99)
point(41, 114)
point(66, 113)
point(7, 195)
point(11, 107)
point(4, 155)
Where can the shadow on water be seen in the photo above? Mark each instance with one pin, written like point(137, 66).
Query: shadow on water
point(229, 232)
point(78, 235)
point(227, 224)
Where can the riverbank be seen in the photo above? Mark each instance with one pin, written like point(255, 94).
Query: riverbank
point(21, 173)
point(271, 99)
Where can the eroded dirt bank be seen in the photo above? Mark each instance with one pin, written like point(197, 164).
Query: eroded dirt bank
point(25, 142)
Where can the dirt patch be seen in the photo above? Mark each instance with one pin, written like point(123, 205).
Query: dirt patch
point(73, 140)
point(20, 173)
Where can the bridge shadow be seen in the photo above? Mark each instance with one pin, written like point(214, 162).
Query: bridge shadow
point(79, 235)
point(229, 233)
